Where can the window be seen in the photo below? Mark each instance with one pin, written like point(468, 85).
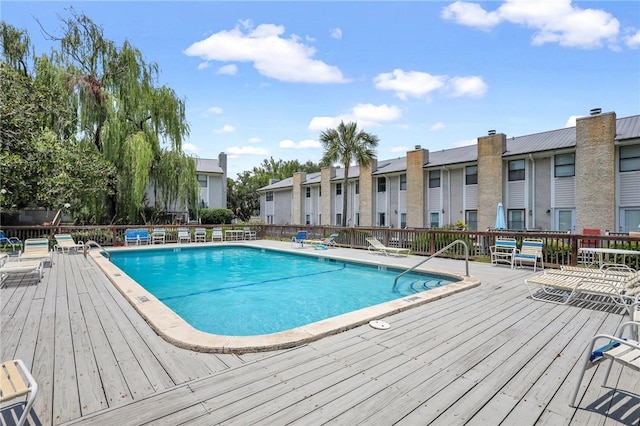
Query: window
point(381, 219)
point(471, 175)
point(339, 219)
point(382, 184)
point(471, 219)
point(319, 218)
point(308, 219)
point(202, 180)
point(403, 182)
point(565, 220)
point(434, 220)
point(269, 195)
point(320, 191)
point(338, 189)
point(631, 219)
point(629, 158)
point(403, 220)
point(357, 187)
point(516, 170)
point(515, 220)
point(308, 192)
point(565, 165)
point(434, 179)
point(357, 219)
point(270, 219)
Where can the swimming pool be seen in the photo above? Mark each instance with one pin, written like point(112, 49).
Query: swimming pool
point(248, 291)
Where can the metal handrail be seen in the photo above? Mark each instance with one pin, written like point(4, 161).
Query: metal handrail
point(89, 243)
point(466, 260)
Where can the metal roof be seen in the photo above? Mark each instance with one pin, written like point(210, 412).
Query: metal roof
point(391, 166)
point(628, 128)
point(208, 165)
point(463, 154)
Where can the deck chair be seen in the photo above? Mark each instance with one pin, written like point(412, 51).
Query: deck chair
point(217, 235)
point(300, 238)
point(530, 252)
point(375, 246)
point(66, 241)
point(588, 258)
point(36, 249)
point(323, 243)
point(616, 348)
point(26, 267)
point(11, 241)
point(16, 381)
point(199, 235)
point(249, 234)
point(158, 235)
point(184, 235)
point(503, 251)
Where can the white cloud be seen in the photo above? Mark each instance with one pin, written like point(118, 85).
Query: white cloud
point(246, 150)
point(473, 86)
point(553, 21)
point(466, 142)
point(214, 110)
point(335, 33)
point(204, 65)
point(402, 149)
point(254, 140)
point(364, 114)
point(272, 55)
point(571, 121)
point(437, 126)
point(230, 69)
point(227, 128)
point(417, 84)
point(633, 40)
point(190, 148)
point(303, 144)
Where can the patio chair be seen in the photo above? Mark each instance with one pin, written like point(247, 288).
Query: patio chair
point(249, 234)
point(66, 241)
point(36, 249)
point(199, 235)
point(300, 238)
point(158, 235)
point(323, 243)
point(26, 267)
point(16, 381)
point(184, 236)
point(530, 252)
point(375, 246)
point(588, 258)
point(217, 235)
point(137, 236)
point(11, 241)
point(503, 251)
point(616, 348)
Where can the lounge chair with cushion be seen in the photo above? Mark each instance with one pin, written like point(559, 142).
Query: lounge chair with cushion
point(530, 252)
point(300, 238)
point(36, 249)
point(158, 235)
point(22, 268)
point(66, 242)
point(16, 381)
point(375, 246)
point(184, 236)
point(199, 235)
point(616, 348)
point(11, 241)
point(217, 235)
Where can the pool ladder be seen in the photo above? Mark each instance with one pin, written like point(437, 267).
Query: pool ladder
point(87, 246)
point(442, 250)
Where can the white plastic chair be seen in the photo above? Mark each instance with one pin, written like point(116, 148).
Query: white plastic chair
point(16, 381)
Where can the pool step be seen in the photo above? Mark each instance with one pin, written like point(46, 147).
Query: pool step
point(409, 286)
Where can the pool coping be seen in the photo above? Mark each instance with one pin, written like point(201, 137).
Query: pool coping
point(177, 331)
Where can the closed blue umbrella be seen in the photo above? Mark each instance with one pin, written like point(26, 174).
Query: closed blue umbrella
point(501, 222)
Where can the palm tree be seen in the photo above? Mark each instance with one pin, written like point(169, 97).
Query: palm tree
point(345, 145)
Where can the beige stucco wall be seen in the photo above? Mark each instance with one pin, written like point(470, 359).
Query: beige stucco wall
point(416, 160)
point(297, 215)
point(327, 198)
point(490, 172)
point(366, 194)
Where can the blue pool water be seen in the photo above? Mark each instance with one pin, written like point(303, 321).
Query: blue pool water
point(245, 291)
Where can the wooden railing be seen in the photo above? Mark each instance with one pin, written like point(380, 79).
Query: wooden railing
point(559, 248)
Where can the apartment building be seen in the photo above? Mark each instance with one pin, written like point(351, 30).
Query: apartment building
point(587, 176)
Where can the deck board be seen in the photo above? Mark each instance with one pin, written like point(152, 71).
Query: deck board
point(483, 356)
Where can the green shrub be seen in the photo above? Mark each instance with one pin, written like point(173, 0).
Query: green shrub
point(215, 216)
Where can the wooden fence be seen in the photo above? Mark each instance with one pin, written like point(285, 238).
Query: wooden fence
point(559, 248)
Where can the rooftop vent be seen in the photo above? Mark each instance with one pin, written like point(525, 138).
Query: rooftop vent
point(595, 111)
point(491, 132)
point(417, 147)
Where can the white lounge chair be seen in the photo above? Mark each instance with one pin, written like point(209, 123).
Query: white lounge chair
point(217, 235)
point(16, 381)
point(158, 235)
point(26, 267)
point(36, 249)
point(66, 241)
point(249, 234)
point(375, 246)
point(323, 243)
point(199, 235)
point(184, 236)
point(616, 348)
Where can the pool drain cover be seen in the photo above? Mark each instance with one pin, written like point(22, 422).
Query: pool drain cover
point(379, 325)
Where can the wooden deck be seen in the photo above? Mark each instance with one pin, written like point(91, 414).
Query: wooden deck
point(488, 355)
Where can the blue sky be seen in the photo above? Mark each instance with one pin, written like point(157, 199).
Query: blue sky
point(263, 79)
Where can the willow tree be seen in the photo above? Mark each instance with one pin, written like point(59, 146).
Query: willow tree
point(346, 145)
point(133, 122)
